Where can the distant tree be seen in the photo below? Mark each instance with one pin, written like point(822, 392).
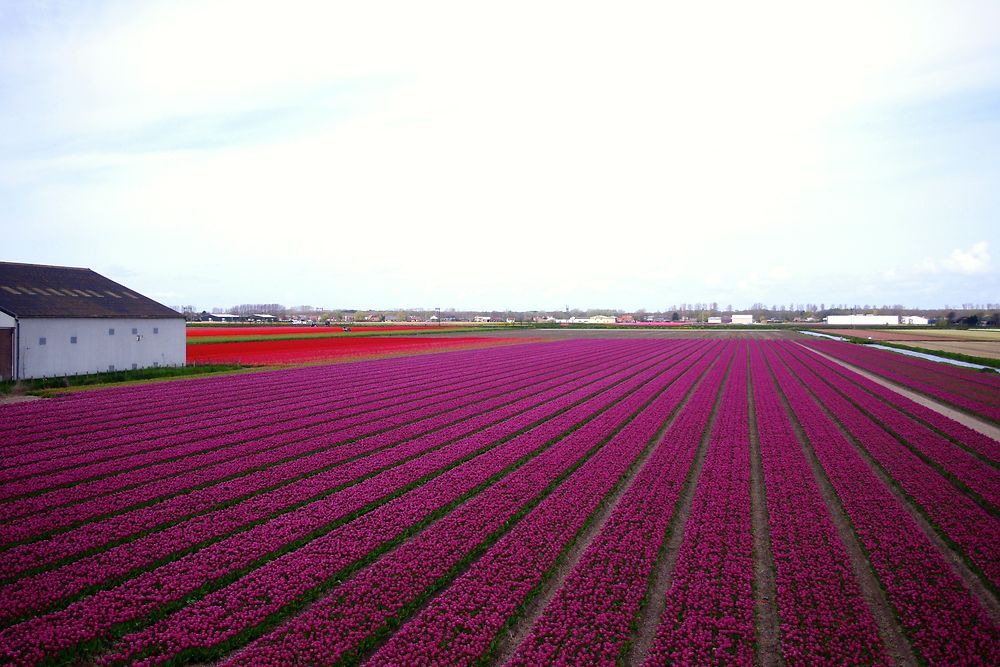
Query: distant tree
point(675, 316)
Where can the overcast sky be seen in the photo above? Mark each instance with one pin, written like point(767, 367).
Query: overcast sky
point(506, 155)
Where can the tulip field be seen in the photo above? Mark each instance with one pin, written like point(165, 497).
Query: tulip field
point(682, 501)
point(288, 350)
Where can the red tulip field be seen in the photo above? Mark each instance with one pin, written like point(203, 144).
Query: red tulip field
point(289, 351)
point(675, 501)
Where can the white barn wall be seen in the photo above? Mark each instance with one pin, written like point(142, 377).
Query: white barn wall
point(6, 321)
point(96, 350)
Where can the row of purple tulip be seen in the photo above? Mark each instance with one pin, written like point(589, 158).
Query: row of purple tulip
point(959, 518)
point(979, 444)
point(943, 621)
point(462, 623)
point(117, 410)
point(315, 533)
point(234, 435)
point(46, 587)
point(186, 424)
point(926, 378)
point(270, 467)
point(421, 560)
point(592, 616)
point(823, 617)
point(708, 617)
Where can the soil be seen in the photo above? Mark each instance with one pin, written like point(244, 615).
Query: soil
point(964, 418)
point(656, 598)
point(894, 639)
point(767, 645)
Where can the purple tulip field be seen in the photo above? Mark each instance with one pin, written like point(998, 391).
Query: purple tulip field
point(572, 502)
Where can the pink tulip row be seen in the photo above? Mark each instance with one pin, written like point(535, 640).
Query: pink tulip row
point(460, 624)
point(289, 457)
point(277, 423)
point(824, 619)
point(42, 589)
point(191, 425)
point(927, 379)
point(591, 617)
point(708, 618)
point(943, 621)
point(978, 476)
point(252, 438)
point(970, 527)
point(208, 624)
point(316, 531)
point(975, 442)
point(116, 410)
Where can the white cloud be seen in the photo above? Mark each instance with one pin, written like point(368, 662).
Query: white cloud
point(975, 260)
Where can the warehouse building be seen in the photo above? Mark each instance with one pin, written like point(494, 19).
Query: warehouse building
point(742, 319)
point(57, 320)
point(863, 320)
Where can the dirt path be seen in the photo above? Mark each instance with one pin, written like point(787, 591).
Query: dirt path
point(984, 427)
point(656, 598)
point(507, 645)
point(767, 647)
point(897, 647)
point(9, 399)
point(968, 577)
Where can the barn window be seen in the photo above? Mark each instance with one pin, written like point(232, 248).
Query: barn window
point(41, 341)
point(72, 340)
point(134, 331)
point(156, 330)
point(111, 332)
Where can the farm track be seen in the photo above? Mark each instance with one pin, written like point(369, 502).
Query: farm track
point(622, 499)
point(979, 425)
point(518, 632)
point(767, 645)
point(967, 390)
point(655, 599)
point(964, 524)
point(904, 558)
point(896, 643)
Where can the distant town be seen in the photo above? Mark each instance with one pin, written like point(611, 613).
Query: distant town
point(695, 313)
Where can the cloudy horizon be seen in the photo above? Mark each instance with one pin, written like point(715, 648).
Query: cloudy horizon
point(506, 157)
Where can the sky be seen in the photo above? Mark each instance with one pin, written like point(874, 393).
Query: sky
point(515, 155)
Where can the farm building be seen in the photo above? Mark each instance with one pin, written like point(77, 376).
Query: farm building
point(913, 319)
point(863, 320)
point(57, 320)
point(742, 319)
point(715, 320)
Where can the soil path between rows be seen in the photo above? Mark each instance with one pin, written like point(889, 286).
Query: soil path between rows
point(963, 418)
point(767, 647)
point(510, 642)
point(897, 647)
point(656, 597)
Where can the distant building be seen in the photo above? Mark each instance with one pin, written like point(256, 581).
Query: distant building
point(221, 317)
point(481, 318)
point(913, 320)
point(862, 320)
point(57, 320)
point(742, 319)
point(715, 320)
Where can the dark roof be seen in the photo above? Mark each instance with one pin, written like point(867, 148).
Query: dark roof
point(36, 290)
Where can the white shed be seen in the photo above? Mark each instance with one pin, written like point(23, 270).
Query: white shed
point(742, 319)
point(863, 320)
point(57, 320)
point(913, 319)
